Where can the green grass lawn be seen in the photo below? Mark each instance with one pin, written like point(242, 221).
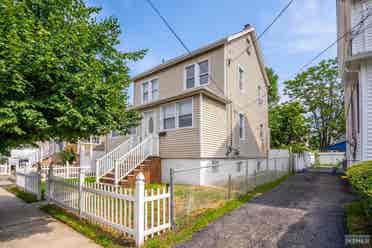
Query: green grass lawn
point(209, 204)
point(96, 233)
point(26, 197)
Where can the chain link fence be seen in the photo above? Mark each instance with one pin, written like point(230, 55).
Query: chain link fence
point(210, 186)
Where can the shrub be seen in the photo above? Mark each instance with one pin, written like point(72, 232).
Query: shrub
point(360, 177)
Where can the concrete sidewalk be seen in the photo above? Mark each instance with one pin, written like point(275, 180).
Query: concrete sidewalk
point(24, 225)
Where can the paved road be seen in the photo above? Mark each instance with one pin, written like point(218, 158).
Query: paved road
point(24, 225)
point(305, 211)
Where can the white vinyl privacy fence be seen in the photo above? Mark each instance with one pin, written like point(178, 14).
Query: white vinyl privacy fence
point(137, 212)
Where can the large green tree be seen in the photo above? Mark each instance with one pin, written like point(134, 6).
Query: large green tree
point(288, 126)
point(273, 91)
point(320, 92)
point(61, 74)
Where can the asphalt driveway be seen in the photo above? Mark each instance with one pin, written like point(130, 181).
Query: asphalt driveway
point(305, 211)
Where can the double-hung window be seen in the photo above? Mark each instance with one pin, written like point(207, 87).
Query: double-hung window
point(177, 115)
point(241, 78)
point(145, 92)
point(190, 76)
point(203, 72)
point(155, 89)
point(241, 127)
point(169, 116)
point(197, 74)
point(259, 95)
point(150, 90)
point(185, 113)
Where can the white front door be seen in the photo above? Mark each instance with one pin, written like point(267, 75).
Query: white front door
point(148, 124)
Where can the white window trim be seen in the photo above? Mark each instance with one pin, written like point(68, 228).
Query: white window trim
point(196, 73)
point(176, 115)
point(241, 138)
point(150, 97)
point(241, 68)
point(260, 99)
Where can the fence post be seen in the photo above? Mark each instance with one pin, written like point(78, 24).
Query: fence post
point(276, 168)
point(81, 193)
point(229, 188)
point(247, 176)
point(97, 178)
point(67, 170)
point(255, 176)
point(139, 214)
point(38, 182)
point(116, 172)
point(49, 188)
point(171, 188)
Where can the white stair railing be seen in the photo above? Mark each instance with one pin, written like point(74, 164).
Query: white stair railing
point(125, 164)
point(106, 163)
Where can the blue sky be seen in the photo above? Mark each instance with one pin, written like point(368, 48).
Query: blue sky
point(307, 27)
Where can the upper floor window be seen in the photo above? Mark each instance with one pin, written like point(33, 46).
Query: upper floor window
point(262, 132)
point(145, 92)
point(190, 76)
point(150, 90)
point(241, 127)
point(155, 89)
point(197, 74)
point(241, 78)
point(203, 72)
point(177, 115)
point(259, 95)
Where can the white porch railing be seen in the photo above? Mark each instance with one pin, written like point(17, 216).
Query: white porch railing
point(107, 162)
point(125, 164)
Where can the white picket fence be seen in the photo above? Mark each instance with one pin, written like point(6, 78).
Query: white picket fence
point(134, 212)
point(67, 171)
point(30, 182)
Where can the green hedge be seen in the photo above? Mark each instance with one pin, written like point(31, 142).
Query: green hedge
point(360, 177)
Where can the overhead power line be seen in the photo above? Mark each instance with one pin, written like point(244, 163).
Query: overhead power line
point(282, 11)
point(334, 43)
point(275, 19)
point(178, 38)
point(168, 25)
point(189, 51)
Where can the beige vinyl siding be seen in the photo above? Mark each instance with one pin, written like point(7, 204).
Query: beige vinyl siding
point(183, 142)
point(246, 101)
point(171, 80)
point(214, 128)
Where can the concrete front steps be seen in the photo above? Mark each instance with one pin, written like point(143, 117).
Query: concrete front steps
point(151, 169)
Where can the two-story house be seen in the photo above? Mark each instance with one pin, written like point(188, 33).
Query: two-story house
point(355, 64)
point(203, 107)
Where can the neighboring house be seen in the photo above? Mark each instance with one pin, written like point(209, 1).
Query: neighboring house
point(355, 63)
point(33, 155)
point(203, 107)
